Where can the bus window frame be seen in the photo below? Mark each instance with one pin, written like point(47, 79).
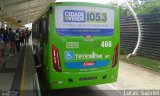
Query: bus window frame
point(45, 26)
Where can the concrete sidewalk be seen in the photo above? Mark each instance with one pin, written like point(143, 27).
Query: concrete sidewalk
point(18, 73)
point(133, 77)
point(7, 73)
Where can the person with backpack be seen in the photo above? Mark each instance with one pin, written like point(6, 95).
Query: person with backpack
point(17, 40)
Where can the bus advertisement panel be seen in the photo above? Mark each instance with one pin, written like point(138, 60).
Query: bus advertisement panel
point(83, 21)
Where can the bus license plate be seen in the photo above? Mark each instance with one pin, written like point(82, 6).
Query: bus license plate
point(88, 63)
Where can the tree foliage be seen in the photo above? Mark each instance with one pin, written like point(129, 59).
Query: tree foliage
point(141, 7)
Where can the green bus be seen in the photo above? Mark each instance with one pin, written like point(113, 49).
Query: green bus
point(77, 44)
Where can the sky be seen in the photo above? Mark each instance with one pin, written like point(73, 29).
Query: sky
point(92, 1)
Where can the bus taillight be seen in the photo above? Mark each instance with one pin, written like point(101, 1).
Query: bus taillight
point(56, 59)
point(115, 56)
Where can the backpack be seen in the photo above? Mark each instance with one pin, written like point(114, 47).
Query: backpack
point(1, 42)
point(25, 34)
point(1, 37)
point(17, 37)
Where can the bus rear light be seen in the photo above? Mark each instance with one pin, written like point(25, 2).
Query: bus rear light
point(115, 56)
point(56, 59)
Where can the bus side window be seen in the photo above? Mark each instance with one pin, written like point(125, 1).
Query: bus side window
point(33, 30)
point(45, 29)
point(37, 30)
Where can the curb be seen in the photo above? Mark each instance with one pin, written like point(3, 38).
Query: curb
point(127, 61)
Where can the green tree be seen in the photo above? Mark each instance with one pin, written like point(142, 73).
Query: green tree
point(141, 7)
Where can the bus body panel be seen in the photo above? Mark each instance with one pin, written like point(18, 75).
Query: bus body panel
point(89, 62)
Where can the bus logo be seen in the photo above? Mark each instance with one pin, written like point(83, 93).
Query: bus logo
point(74, 16)
point(69, 55)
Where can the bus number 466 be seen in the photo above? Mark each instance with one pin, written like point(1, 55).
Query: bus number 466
point(106, 44)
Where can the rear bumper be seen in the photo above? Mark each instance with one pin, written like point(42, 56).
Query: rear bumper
point(79, 79)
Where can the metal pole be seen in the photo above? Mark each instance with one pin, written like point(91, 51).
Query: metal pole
point(139, 29)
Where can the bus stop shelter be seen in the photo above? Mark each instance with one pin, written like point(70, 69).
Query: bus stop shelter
point(15, 13)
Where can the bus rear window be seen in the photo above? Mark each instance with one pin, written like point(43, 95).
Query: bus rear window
point(84, 21)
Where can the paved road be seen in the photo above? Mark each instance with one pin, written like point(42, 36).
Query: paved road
point(83, 91)
point(135, 77)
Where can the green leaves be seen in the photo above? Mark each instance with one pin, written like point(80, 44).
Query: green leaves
point(142, 7)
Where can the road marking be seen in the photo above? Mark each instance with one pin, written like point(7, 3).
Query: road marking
point(112, 87)
point(115, 89)
point(23, 78)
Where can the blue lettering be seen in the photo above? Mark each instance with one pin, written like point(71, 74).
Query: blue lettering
point(92, 16)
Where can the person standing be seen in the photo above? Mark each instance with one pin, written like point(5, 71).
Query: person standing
point(2, 63)
point(3, 31)
point(17, 40)
point(22, 37)
point(2, 34)
point(26, 37)
point(11, 39)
